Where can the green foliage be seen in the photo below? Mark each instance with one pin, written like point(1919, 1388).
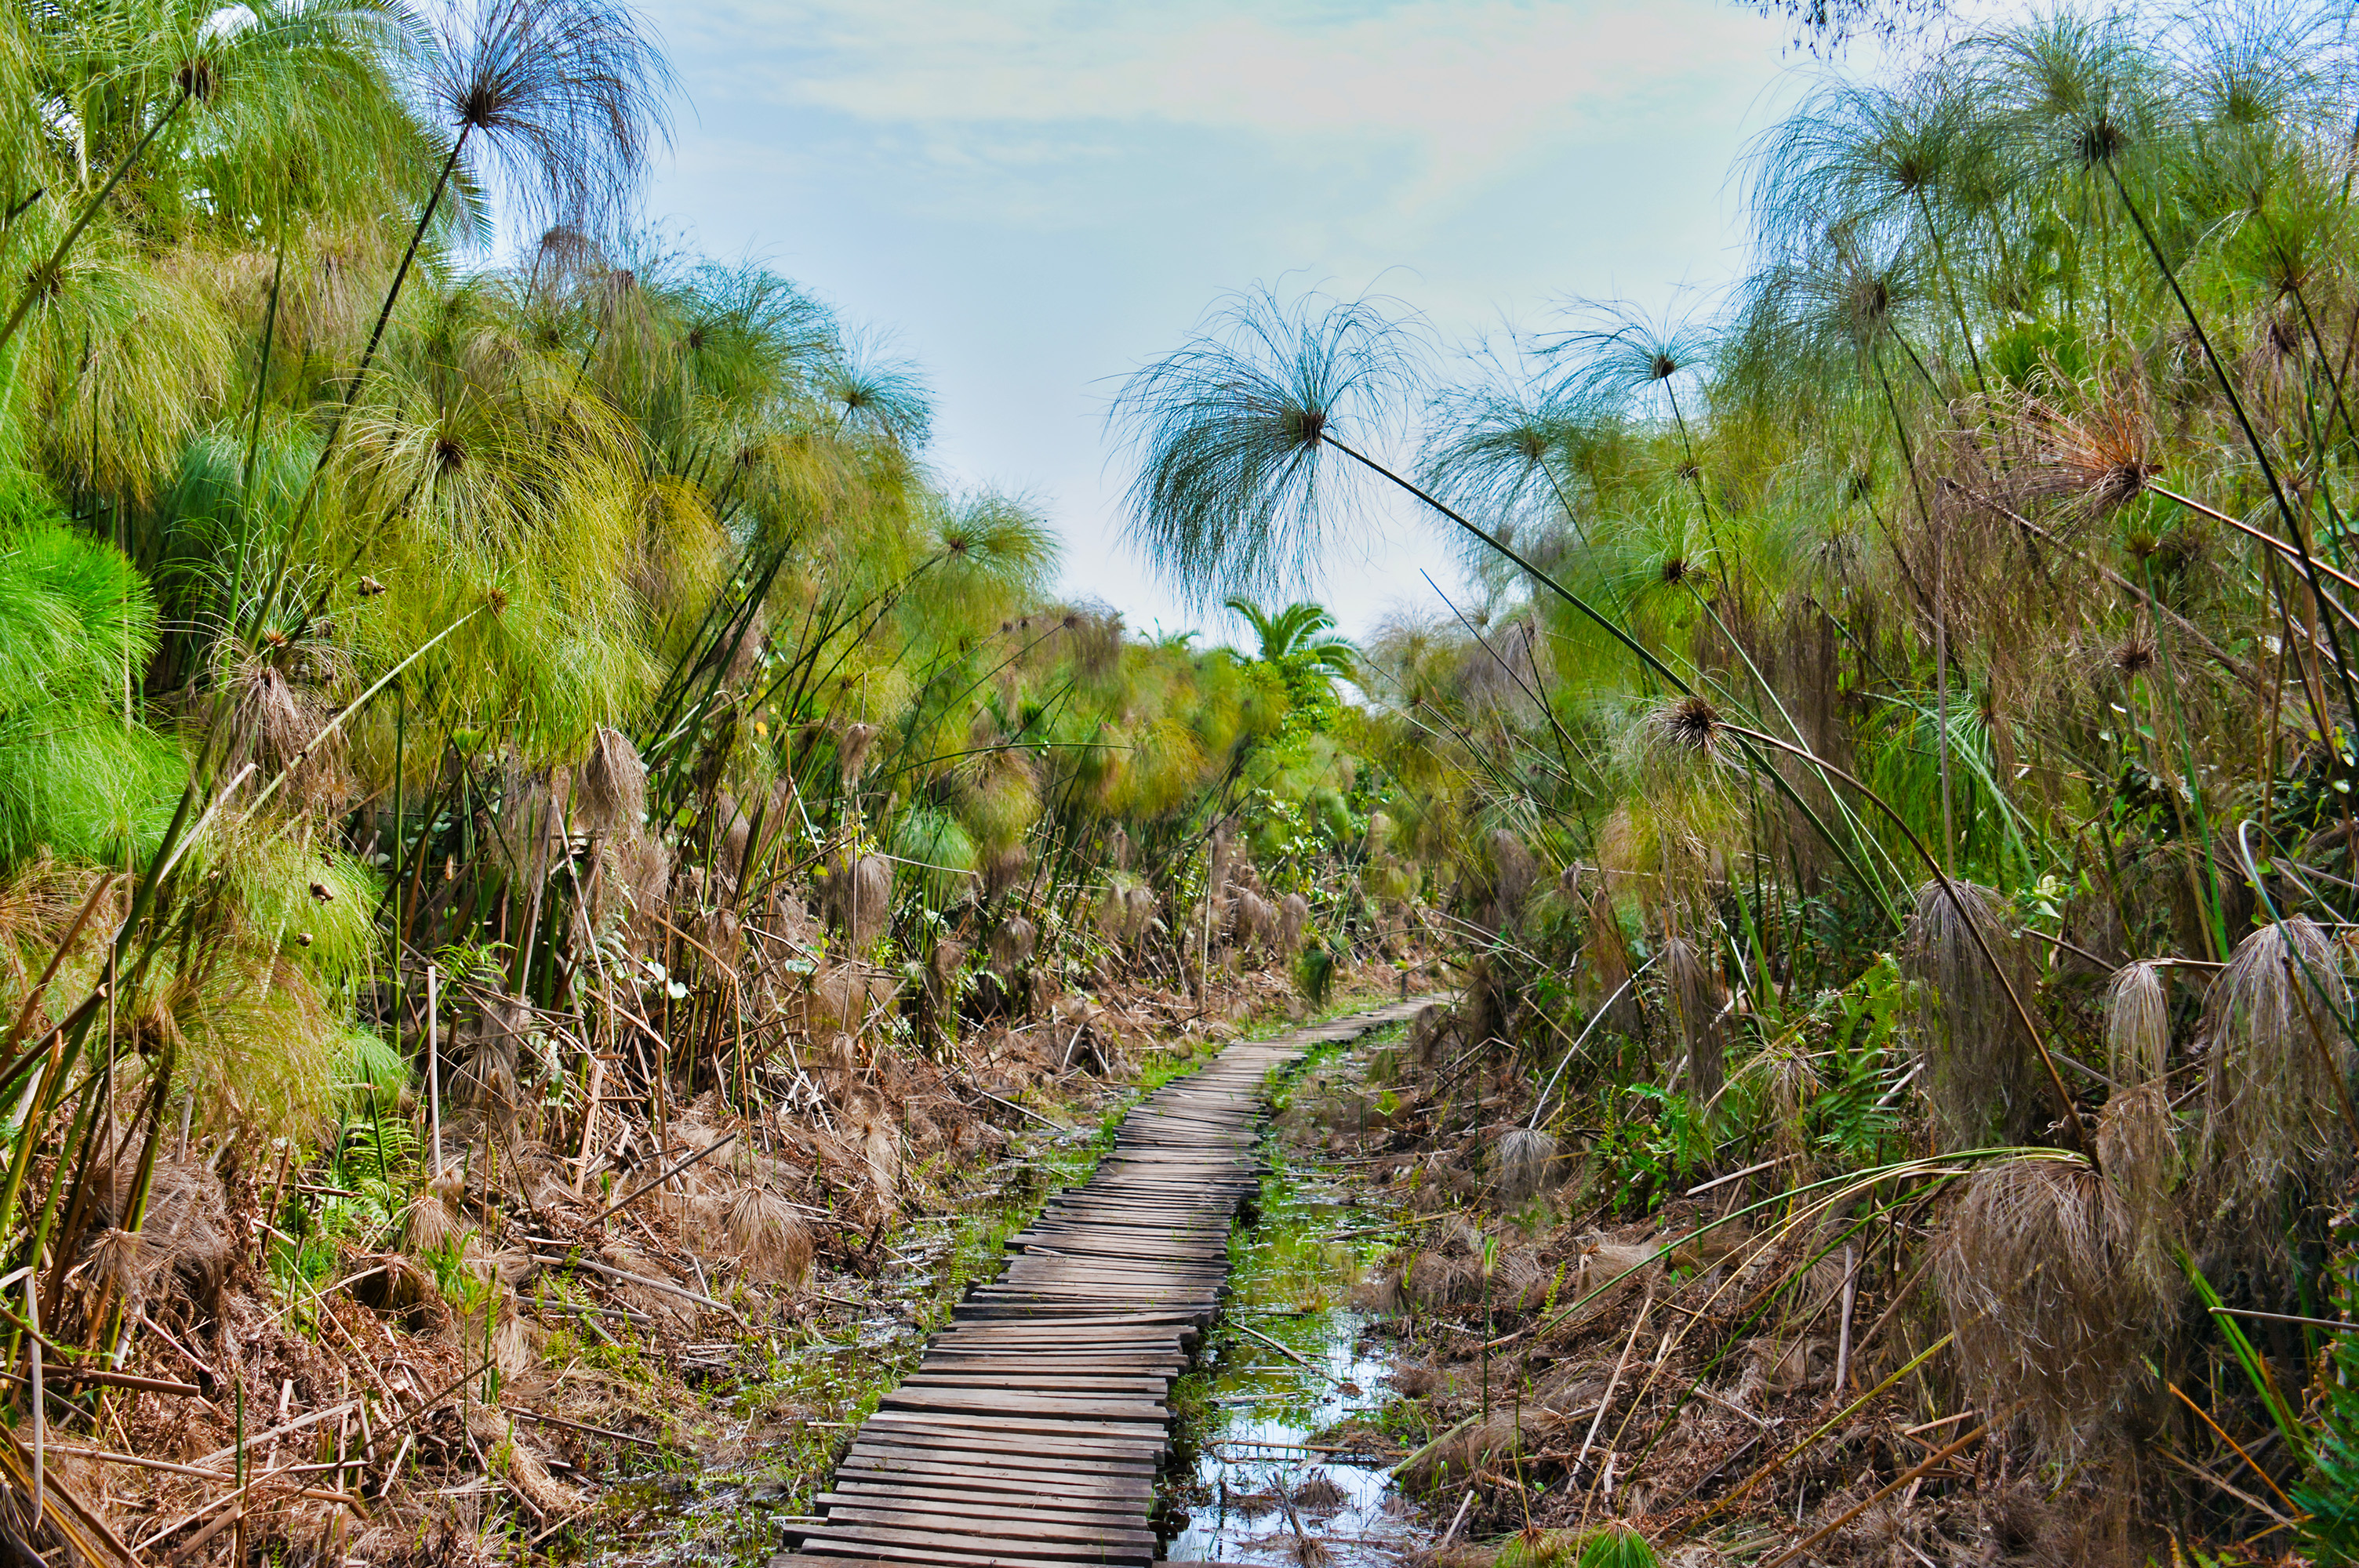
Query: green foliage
point(371, 1078)
point(1652, 1139)
point(2330, 1496)
point(2330, 1493)
point(1828, 1083)
point(1300, 646)
point(1608, 1546)
point(2250, 1361)
point(937, 853)
point(1315, 973)
point(1616, 1546)
point(74, 612)
point(77, 628)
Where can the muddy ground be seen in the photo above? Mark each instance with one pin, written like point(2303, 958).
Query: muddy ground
point(1730, 1377)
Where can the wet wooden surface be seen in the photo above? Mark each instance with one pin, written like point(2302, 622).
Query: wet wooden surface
point(1032, 1433)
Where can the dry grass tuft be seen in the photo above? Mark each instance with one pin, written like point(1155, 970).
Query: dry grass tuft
point(1521, 1162)
point(2036, 1262)
point(1981, 1074)
point(1789, 1083)
point(1513, 872)
point(185, 1227)
point(1317, 1493)
point(856, 895)
point(1695, 997)
point(612, 792)
point(881, 1150)
point(853, 749)
point(770, 1240)
point(180, 1237)
point(2271, 1054)
point(2137, 1147)
point(1004, 869)
point(1011, 946)
point(1489, 1445)
point(1253, 921)
point(119, 1260)
point(1418, 1381)
point(845, 999)
point(525, 1470)
point(1435, 1279)
point(2137, 1024)
point(1605, 966)
point(430, 1223)
point(1248, 1505)
point(1293, 915)
point(486, 1049)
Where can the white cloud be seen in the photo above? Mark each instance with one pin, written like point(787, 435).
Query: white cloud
point(1439, 94)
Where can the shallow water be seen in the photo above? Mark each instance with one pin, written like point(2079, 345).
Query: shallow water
point(1267, 1480)
point(1265, 1484)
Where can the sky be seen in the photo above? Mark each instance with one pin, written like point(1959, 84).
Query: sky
point(1032, 197)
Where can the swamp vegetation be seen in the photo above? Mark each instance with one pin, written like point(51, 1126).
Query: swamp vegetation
point(1893, 785)
point(538, 841)
point(559, 888)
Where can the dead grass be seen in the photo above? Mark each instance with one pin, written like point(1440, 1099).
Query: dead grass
point(2036, 1262)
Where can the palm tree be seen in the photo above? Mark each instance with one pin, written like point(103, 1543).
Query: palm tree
point(1299, 638)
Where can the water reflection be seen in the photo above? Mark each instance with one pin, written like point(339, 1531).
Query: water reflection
point(1274, 1479)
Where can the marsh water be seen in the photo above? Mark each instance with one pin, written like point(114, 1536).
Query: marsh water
point(1264, 1474)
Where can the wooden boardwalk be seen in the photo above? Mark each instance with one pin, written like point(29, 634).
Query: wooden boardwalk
point(1032, 1433)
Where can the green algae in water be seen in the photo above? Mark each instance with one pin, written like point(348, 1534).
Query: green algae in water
point(1248, 1485)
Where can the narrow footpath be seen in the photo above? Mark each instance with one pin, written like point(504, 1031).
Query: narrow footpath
point(1032, 1433)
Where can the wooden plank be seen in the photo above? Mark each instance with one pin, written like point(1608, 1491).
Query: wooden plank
point(1040, 1406)
point(1031, 1524)
point(975, 1553)
point(1018, 1376)
point(1113, 1476)
point(1127, 1494)
point(949, 1548)
point(839, 1554)
point(1110, 1358)
point(1073, 1436)
point(1108, 1320)
point(1082, 1439)
point(964, 1492)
